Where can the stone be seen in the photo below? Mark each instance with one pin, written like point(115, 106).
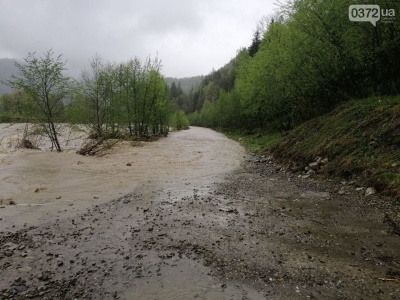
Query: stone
point(45, 276)
point(313, 165)
point(370, 191)
point(21, 288)
point(310, 172)
point(10, 246)
point(295, 168)
point(324, 161)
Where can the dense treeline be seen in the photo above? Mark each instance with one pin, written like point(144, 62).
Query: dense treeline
point(129, 99)
point(300, 65)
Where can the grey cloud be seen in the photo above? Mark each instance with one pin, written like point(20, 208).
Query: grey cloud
point(191, 37)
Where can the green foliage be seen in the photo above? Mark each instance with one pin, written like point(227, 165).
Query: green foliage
point(13, 107)
point(255, 43)
point(258, 142)
point(185, 84)
point(128, 97)
point(46, 87)
point(209, 89)
point(179, 120)
point(74, 111)
point(310, 59)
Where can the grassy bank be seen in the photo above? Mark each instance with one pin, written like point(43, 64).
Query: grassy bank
point(257, 142)
point(360, 138)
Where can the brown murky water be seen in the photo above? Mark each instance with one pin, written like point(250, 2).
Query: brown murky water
point(44, 183)
point(48, 187)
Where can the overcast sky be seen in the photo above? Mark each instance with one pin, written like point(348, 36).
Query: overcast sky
point(190, 37)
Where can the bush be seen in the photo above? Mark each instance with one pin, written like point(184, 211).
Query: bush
point(179, 121)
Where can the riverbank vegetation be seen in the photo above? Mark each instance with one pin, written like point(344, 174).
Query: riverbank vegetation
point(116, 100)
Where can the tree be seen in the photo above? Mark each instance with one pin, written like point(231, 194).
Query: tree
point(255, 43)
point(267, 20)
point(95, 93)
point(13, 106)
point(127, 98)
point(43, 81)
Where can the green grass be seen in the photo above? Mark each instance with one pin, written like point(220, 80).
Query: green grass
point(361, 138)
point(259, 142)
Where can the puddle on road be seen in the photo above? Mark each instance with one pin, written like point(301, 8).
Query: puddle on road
point(185, 279)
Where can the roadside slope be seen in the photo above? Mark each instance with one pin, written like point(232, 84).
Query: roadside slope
point(361, 140)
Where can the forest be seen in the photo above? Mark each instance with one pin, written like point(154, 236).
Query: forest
point(303, 61)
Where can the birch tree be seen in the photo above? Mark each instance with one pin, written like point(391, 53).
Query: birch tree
point(43, 81)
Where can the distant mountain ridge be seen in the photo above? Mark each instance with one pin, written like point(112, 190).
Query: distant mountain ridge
point(7, 69)
point(185, 83)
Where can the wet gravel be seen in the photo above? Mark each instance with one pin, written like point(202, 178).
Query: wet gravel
point(260, 233)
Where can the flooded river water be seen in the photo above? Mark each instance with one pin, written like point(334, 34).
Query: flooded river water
point(42, 183)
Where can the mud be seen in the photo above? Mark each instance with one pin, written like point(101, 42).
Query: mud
point(239, 228)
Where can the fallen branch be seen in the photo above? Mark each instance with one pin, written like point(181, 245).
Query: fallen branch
point(27, 144)
point(96, 146)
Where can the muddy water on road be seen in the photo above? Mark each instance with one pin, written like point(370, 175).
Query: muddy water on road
point(56, 192)
point(46, 186)
point(184, 279)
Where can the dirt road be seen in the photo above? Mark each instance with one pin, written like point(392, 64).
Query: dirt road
point(197, 219)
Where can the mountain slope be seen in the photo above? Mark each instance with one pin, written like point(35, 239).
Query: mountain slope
point(185, 83)
point(7, 68)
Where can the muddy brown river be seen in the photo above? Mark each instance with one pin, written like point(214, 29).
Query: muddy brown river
point(42, 183)
point(191, 216)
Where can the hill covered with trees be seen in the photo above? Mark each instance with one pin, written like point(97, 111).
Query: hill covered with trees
point(329, 85)
point(302, 64)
